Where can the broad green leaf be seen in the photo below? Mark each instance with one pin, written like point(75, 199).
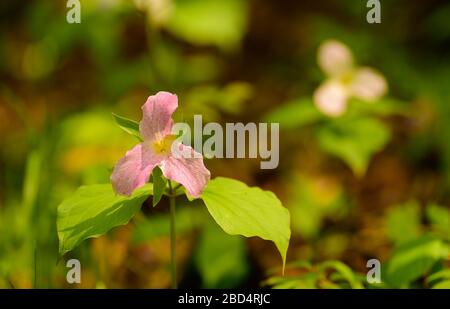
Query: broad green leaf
point(295, 114)
point(217, 22)
point(220, 258)
point(354, 140)
point(159, 185)
point(403, 222)
point(413, 259)
point(128, 125)
point(93, 210)
point(248, 211)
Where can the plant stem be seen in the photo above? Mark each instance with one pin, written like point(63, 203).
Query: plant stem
point(173, 238)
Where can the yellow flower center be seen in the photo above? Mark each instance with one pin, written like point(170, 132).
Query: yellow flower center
point(347, 77)
point(163, 146)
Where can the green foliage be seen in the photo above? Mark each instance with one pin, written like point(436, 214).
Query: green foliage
point(210, 100)
point(354, 140)
point(248, 211)
point(311, 201)
point(159, 185)
point(220, 258)
point(342, 273)
point(439, 218)
point(189, 217)
point(63, 135)
point(94, 210)
point(382, 107)
point(413, 259)
point(403, 222)
point(218, 22)
point(296, 113)
point(439, 279)
point(327, 275)
point(128, 125)
point(89, 128)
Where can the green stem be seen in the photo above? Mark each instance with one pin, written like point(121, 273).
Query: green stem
point(173, 238)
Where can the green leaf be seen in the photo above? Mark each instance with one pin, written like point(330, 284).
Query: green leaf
point(159, 185)
point(220, 258)
point(294, 114)
point(248, 211)
point(305, 281)
point(403, 222)
point(94, 210)
point(442, 285)
point(413, 259)
point(354, 140)
point(345, 272)
point(219, 22)
point(128, 125)
point(440, 275)
point(439, 218)
point(383, 107)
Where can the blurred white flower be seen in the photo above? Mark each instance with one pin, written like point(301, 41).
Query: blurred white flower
point(159, 11)
point(345, 80)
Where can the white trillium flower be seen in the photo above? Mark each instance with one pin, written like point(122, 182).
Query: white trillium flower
point(345, 80)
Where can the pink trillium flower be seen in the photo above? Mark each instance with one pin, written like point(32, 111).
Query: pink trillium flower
point(133, 171)
point(344, 80)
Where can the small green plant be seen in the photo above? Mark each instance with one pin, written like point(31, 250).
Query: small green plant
point(238, 209)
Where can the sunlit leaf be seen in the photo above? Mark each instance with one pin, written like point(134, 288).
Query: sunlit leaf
point(413, 259)
point(442, 285)
point(218, 22)
point(93, 210)
point(306, 281)
point(354, 140)
point(128, 125)
point(440, 275)
point(248, 211)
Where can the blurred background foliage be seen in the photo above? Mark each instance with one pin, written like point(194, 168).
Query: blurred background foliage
point(371, 184)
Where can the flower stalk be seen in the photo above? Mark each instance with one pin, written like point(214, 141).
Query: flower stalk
point(173, 237)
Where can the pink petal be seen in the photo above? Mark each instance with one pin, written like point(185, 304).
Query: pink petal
point(133, 170)
point(188, 170)
point(334, 58)
point(331, 98)
point(368, 85)
point(157, 115)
